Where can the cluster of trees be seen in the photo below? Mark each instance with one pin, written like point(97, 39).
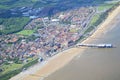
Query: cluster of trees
point(12, 25)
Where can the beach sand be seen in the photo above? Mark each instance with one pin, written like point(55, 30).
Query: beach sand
point(63, 58)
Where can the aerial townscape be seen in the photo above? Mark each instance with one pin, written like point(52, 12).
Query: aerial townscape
point(33, 31)
point(51, 35)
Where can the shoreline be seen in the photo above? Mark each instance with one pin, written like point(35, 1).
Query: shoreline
point(56, 62)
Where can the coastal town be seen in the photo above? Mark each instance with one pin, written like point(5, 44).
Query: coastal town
point(32, 35)
point(52, 35)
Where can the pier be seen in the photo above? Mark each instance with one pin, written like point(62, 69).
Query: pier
point(95, 45)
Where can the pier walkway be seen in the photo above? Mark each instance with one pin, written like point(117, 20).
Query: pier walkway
point(95, 45)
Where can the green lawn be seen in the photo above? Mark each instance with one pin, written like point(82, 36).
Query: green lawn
point(94, 19)
point(10, 67)
point(73, 30)
point(105, 7)
point(26, 32)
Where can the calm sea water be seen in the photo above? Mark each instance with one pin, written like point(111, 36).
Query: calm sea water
point(94, 63)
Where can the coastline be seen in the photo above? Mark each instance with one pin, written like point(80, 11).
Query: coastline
point(56, 62)
point(104, 26)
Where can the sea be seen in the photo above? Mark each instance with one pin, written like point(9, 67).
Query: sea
point(95, 63)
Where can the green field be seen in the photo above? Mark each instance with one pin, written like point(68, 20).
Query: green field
point(94, 19)
point(10, 67)
point(10, 70)
point(12, 25)
point(106, 6)
point(26, 32)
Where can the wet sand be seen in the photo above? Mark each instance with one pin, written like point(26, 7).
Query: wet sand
point(65, 57)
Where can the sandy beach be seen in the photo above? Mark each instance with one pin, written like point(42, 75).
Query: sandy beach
point(60, 60)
